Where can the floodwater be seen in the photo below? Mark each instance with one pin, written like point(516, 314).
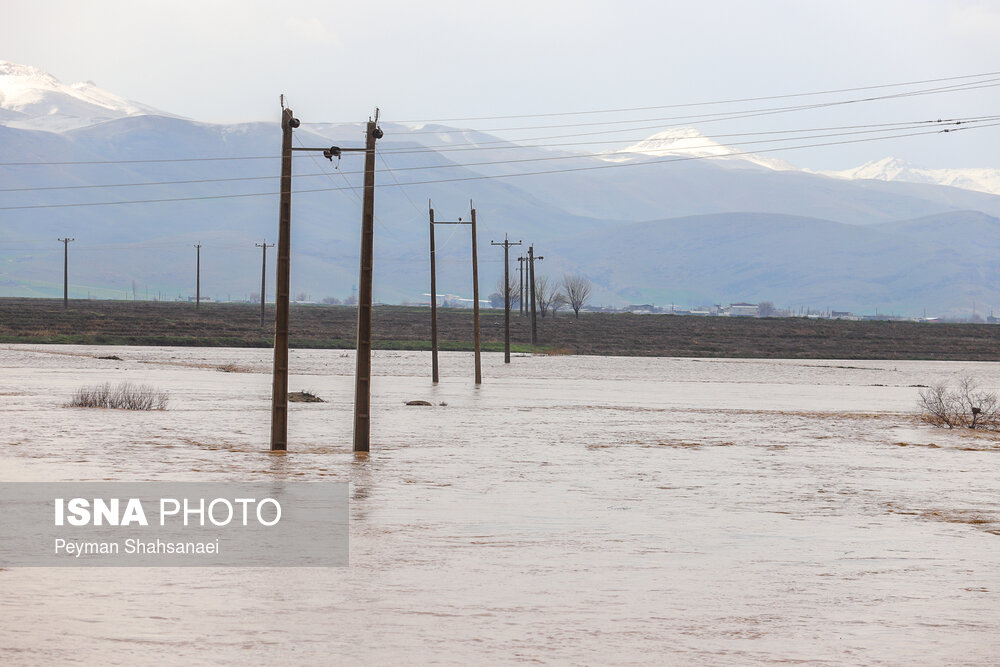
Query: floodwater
point(571, 510)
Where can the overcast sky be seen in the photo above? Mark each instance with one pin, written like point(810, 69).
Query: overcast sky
point(228, 60)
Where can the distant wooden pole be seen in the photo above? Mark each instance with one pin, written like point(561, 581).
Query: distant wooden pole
point(263, 274)
point(520, 299)
point(197, 279)
point(66, 242)
point(475, 300)
point(362, 380)
point(506, 295)
point(434, 319)
point(531, 279)
point(279, 392)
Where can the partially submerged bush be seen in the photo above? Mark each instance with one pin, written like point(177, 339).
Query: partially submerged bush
point(304, 397)
point(233, 368)
point(966, 406)
point(124, 396)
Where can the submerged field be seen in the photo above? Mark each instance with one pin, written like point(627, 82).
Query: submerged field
point(401, 328)
point(571, 510)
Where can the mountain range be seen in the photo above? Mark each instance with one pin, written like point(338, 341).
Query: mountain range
point(675, 218)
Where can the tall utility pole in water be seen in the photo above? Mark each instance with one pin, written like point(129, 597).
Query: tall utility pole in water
point(475, 299)
point(363, 375)
point(279, 389)
point(475, 293)
point(263, 274)
point(197, 281)
point(506, 295)
point(434, 310)
point(66, 243)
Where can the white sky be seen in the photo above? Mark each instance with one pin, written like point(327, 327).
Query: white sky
point(227, 60)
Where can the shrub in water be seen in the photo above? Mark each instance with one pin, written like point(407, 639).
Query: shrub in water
point(124, 396)
point(966, 406)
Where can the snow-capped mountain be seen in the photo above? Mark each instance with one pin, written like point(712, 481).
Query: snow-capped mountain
point(894, 169)
point(33, 99)
point(689, 142)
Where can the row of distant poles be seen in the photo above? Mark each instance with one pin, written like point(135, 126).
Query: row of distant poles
point(506, 244)
point(362, 387)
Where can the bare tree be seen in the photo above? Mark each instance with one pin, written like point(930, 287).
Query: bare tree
point(577, 291)
point(545, 294)
point(964, 407)
point(558, 301)
point(513, 290)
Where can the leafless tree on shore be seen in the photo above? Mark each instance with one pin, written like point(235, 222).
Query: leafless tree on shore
point(577, 291)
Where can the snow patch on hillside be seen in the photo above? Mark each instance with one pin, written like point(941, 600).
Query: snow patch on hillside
point(684, 142)
point(33, 99)
point(894, 169)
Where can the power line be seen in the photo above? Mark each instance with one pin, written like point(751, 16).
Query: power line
point(626, 152)
point(861, 129)
point(154, 183)
point(185, 159)
point(971, 85)
point(447, 148)
point(732, 115)
point(689, 120)
point(696, 104)
point(512, 175)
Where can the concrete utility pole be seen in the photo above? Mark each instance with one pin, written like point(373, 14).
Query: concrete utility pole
point(197, 280)
point(363, 375)
point(66, 243)
point(475, 293)
point(263, 274)
point(531, 278)
point(506, 295)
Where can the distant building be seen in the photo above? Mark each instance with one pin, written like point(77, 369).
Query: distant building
point(742, 310)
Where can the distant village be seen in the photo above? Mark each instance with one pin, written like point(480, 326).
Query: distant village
point(767, 309)
point(739, 309)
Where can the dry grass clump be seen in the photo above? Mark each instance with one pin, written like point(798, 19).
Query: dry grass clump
point(233, 368)
point(557, 351)
point(966, 406)
point(123, 396)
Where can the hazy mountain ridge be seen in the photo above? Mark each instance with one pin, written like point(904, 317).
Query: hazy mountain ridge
point(722, 229)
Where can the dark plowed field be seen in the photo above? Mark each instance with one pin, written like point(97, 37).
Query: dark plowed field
point(168, 323)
